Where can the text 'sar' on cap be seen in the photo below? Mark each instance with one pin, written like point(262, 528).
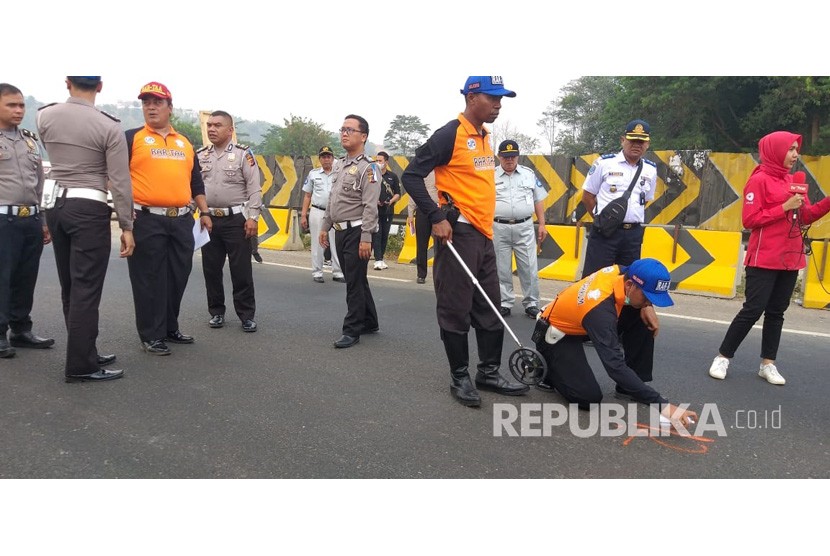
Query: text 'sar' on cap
point(155, 89)
point(653, 278)
point(508, 148)
point(637, 130)
point(490, 84)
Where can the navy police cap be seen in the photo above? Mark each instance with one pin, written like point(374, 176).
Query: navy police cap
point(637, 130)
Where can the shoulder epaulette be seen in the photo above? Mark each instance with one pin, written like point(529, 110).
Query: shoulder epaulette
point(47, 105)
point(243, 147)
point(647, 161)
point(206, 147)
point(29, 134)
point(609, 155)
point(110, 116)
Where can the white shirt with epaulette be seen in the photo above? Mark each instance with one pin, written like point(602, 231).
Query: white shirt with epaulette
point(318, 183)
point(609, 178)
point(517, 193)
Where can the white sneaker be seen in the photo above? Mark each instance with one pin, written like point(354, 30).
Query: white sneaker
point(383, 265)
point(770, 373)
point(718, 368)
point(377, 265)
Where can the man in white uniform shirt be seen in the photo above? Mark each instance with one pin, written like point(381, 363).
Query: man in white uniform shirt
point(519, 194)
point(317, 187)
point(608, 179)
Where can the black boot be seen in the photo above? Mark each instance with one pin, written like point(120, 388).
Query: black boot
point(458, 355)
point(489, 357)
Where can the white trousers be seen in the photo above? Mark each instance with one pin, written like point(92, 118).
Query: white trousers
point(315, 218)
point(518, 239)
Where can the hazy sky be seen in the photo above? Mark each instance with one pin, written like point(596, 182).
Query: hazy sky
point(325, 59)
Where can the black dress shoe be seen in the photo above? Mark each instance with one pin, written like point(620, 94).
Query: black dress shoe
point(532, 311)
point(6, 350)
point(106, 359)
point(217, 321)
point(346, 341)
point(340, 279)
point(505, 311)
point(545, 387)
point(29, 340)
point(249, 325)
point(177, 337)
point(156, 347)
point(420, 280)
point(97, 376)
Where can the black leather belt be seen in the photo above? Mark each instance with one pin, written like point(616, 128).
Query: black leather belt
point(511, 220)
point(630, 225)
point(319, 207)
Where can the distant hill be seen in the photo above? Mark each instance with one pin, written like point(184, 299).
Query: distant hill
point(131, 117)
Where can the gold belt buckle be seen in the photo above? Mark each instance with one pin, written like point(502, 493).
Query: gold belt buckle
point(23, 211)
point(338, 227)
point(218, 212)
point(172, 211)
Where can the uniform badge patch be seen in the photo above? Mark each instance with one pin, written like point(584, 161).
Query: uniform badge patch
point(250, 159)
point(592, 169)
point(370, 175)
point(231, 157)
point(471, 144)
point(353, 170)
point(180, 143)
point(149, 140)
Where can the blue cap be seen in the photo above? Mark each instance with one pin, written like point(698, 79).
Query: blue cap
point(490, 84)
point(653, 278)
point(637, 130)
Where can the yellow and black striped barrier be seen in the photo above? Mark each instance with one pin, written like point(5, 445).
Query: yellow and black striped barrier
point(816, 285)
point(700, 261)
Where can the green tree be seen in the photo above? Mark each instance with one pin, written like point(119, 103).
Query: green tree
point(406, 133)
point(727, 114)
point(189, 129)
point(584, 126)
point(297, 136)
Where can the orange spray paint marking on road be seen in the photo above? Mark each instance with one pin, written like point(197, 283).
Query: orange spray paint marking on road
point(699, 442)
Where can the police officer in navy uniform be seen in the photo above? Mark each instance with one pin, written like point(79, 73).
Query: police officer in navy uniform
point(23, 231)
point(88, 152)
point(233, 191)
point(608, 179)
point(353, 213)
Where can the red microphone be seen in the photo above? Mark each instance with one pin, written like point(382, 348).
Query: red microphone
point(798, 187)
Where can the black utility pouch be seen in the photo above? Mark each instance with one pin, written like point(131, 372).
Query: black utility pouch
point(451, 214)
point(539, 331)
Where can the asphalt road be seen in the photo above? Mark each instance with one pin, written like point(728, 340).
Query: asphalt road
point(283, 403)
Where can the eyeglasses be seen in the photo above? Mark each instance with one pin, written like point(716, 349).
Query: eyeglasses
point(349, 130)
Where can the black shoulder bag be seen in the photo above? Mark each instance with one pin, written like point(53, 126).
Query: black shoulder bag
point(611, 218)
